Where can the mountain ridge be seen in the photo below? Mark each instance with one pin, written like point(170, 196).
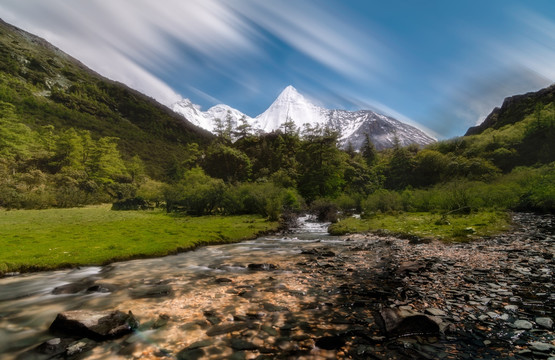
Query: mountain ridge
point(290, 105)
point(514, 109)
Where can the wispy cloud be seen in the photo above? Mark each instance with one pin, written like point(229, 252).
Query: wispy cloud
point(133, 40)
point(494, 69)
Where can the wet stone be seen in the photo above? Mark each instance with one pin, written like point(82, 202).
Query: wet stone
point(80, 346)
point(155, 291)
point(239, 344)
point(226, 328)
point(193, 354)
point(97, 325)
point(330, 342)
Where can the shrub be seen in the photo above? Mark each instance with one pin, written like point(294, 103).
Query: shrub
point(325, 210)
point(383, 200)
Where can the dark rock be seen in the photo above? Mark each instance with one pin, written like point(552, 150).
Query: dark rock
point(193, 354)
point(223, 280)
point(161, 321)
point(410, 266)
point(265, 267)
point(330, 342)
point(239, 344)
point(199, 344)
point(151, 291)
point(398, 323)
point(72, 288)
point(102, 288)
point(226, 328)
point(96, 325)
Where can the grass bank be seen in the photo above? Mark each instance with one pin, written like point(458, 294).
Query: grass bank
point(33, 240)
point(428, 225)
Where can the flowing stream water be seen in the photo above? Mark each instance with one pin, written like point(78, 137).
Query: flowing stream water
point(28, 305)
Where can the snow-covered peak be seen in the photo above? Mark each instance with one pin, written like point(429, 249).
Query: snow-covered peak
point(205, 119)
point(290, 105)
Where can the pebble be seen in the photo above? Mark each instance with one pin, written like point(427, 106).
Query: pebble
point(523, 324)
point(545, 322)
point(542, 347)
point(435, 312)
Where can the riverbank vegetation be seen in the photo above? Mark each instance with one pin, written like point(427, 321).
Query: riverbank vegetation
point(419, 226)
point(54, 238)
point(70, 138)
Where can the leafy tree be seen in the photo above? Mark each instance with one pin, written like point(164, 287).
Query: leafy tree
point(224, 162)
point(196, 193)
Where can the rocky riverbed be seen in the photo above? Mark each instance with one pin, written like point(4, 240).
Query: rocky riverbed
point(359, 297)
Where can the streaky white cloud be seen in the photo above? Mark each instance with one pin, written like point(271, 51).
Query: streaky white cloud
point(328, 38)
point(133, 40)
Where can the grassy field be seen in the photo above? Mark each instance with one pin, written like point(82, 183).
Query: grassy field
point(427, 225)
point(48, 239)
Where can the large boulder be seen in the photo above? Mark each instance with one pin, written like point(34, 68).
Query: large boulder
point(399, 323)
point(96, 325)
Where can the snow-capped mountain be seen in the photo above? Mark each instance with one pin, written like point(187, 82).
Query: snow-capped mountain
point(207, 119)
point(290, 105)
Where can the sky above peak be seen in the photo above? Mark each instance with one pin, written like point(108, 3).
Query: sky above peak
point(443, 65)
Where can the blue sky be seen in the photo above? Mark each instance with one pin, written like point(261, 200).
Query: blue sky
point(442, 64)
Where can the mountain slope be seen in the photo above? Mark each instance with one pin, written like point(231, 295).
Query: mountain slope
point(207, 119)
point(48, 87)
point(514, 109)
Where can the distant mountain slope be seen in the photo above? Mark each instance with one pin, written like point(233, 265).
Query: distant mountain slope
point(290, 105)
point(49, 87)
point(514, 109)
point(206, 119)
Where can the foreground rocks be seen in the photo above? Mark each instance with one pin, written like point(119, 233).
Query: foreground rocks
point(96, 325)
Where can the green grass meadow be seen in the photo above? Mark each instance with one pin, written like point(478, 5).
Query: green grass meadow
point(429, 225)
point(47, 239)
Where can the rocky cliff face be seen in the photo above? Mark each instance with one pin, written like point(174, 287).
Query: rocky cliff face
point(514, 109)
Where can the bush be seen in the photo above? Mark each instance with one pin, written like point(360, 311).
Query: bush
point(266, 199)
point(384, 201)
point(196, 193)
point(325, 210)
point(137, 203)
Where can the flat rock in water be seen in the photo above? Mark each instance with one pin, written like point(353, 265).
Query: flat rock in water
point(72, 288)
point(225, 328)
point(96, 325)
point(151, 291)
point(261, 267)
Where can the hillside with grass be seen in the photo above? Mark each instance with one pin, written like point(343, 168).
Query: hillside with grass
point(46, 90)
